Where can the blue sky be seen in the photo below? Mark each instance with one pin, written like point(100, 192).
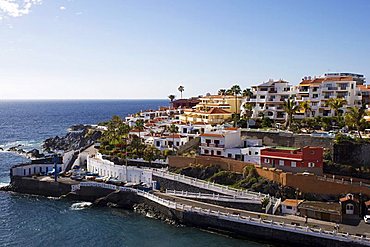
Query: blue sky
point(90, 49)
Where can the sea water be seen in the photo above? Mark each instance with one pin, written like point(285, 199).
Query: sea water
point(27, 220)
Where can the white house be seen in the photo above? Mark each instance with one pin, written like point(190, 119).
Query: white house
point(216, 142)
point(290, 206)
point(97, 164)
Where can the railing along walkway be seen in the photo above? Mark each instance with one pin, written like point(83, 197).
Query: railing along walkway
point(317, 232)
point(215, 197)
point(222, 189)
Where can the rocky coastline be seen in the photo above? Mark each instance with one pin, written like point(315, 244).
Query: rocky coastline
point(78, 136)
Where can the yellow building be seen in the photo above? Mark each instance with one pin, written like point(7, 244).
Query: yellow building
point(226, 102)
point(211, 116)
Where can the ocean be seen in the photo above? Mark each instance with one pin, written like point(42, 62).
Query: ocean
point(27, 220)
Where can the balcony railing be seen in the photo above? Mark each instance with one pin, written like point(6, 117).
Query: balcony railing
point(212, 145)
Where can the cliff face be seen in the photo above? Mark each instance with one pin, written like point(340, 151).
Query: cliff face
point(80, 136)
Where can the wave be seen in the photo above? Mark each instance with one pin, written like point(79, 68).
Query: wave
point(25, 145)
point(80, 205)
point(4, 184)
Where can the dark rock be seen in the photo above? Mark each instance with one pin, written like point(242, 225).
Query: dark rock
point(34, 153)
point(79, 136)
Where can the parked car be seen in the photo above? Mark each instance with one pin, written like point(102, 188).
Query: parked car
point(367, 219)
point(323, 134)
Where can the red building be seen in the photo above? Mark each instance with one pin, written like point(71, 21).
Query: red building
point(306, 159)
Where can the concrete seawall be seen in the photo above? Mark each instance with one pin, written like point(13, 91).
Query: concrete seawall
point(278, 237)
point(130, 200)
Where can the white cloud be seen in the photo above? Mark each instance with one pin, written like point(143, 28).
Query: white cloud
point(16, 8)
point(62, 8)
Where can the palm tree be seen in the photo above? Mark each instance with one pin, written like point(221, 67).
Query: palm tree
point(335, 104)
point(248, 110)
point(247, 93)
point(181, 89)
point(171, 97)
point(290, 107)
point(173, 130)
point(235, 89)
point(354, 118)
point(229, 92)
point(221, 91)
point(151, 154)
point(139, 125)
point(306, 107)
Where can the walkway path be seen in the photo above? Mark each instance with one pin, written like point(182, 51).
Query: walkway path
point(363, 229)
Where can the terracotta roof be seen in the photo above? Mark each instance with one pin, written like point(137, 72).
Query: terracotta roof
point(211, 135)
point(364, 87)
point(347, 198)
point(292, 202)
point(367, 203)
point(174, 136)
point(218, 111)
point(231, 128)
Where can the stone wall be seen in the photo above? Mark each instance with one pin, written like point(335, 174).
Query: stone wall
point(305, 183)
point(288, 139)
point(352, 154)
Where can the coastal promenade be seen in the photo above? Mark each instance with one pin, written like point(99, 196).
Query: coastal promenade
point(288, 220)
point(293, 225)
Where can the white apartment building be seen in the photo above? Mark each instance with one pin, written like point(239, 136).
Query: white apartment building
point(167, 142)
point(318, 90)
point(227, 143)
point(268, 99)
point(216, 142)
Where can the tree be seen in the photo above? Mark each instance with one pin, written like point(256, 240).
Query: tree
point(290, 107)
point(151, 154)
point(171, 97)
point(247, 93)
point(335, 104)
point(248, 110)
point(354, 118)
point(173, 129)
point(306, 107)
point(222, 92)
point(235, 89)
point(181, 89)
point(139, 125)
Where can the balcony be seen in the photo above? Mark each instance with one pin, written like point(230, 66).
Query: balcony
point(329, 88)
point(212, 145)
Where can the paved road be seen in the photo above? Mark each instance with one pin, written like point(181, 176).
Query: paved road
point(361, 229)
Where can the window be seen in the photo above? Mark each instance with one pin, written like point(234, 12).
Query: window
point(293, 164)
point(349, 209)
point(289, 207)
point(311, 164)
point(250, 152)
point(281, 162)
point(266, 160)
point(206, 151)
point(229, 155)
point(218, 152)
point(177, 144)
point(255, 153)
